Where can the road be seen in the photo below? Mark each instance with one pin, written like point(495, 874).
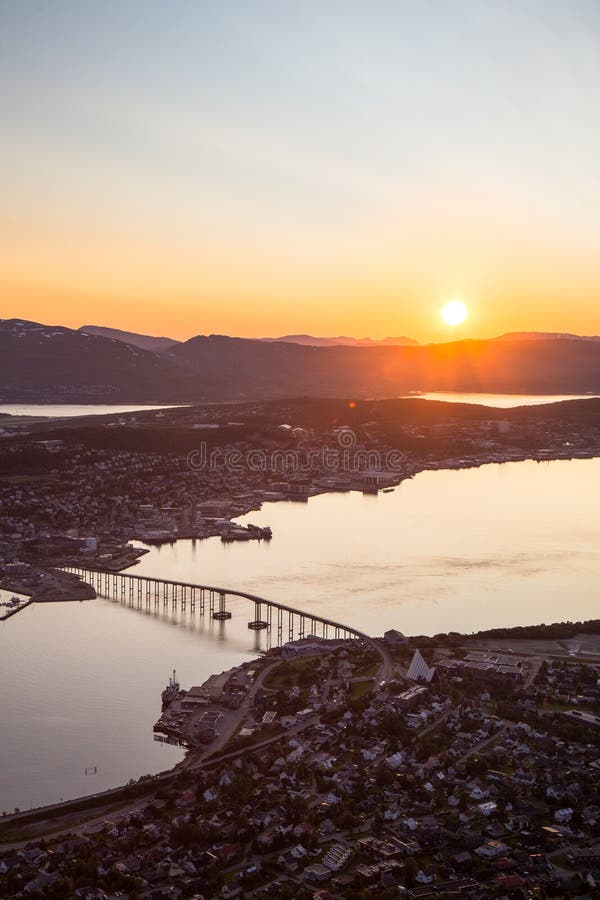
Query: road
point(192, 760)
point(483, 744)
point(536, 665)
point(386, 669)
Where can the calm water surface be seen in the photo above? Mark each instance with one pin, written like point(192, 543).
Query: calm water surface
point(80, 689)
point(503, 400)
point(459, 550)
point(65, 410)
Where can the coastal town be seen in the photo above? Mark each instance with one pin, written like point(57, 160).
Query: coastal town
point(346, 767)
point(82, 490)
point(470, 772)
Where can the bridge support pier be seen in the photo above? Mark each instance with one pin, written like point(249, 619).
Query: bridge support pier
point(258, 622)
point(221, 613)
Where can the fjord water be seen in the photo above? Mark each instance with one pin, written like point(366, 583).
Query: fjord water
point(453, 550)
point(81, 685)
point(68, 410)
point(448, 550)
point(505, 401)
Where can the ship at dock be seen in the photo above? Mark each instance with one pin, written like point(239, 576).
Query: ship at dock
point(171, 692)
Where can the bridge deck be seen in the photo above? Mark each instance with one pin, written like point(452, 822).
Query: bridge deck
point(254, 598)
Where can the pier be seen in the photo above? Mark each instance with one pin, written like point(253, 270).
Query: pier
point(12, 611)
point(157, 594)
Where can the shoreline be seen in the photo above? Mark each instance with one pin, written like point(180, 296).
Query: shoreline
point(447, 465)
point(195, 759)
point(16, 609)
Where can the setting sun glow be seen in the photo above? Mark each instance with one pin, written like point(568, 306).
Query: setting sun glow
point(454, 312)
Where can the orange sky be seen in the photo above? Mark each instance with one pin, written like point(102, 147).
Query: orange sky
point(360, 287)
point(281, 170)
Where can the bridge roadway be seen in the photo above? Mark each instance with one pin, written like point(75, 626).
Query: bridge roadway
point(142, 590)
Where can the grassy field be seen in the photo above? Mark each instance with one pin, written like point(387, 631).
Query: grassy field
point(360, 688)
point(288, 674)
point(368, 669)
point(568, 648)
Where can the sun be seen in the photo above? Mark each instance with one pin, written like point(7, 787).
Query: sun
point(454, 312)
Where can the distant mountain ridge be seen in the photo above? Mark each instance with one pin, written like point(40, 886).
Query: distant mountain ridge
point(310, 340)
point(47, 363)
point(144, 341)
point(163, 344)
point(286, 369)
point(544, 336)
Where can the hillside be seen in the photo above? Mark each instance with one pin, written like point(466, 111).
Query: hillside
point(143, 341)
point(51, 363)
point(47, 363)
point(279, 369)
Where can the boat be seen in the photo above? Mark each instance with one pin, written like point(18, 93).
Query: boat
point(171, 692)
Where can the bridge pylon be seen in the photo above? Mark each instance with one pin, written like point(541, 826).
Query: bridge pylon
point(221, 613)
point(258, 622)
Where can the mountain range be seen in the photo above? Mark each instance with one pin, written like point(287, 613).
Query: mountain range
point(545, 336)
point(162, 344)
point(143, 341)
point(56, 364)
point(310, 340)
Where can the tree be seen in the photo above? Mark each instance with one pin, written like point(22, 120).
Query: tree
point(410, 871)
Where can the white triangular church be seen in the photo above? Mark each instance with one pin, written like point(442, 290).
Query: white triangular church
point(419, 670)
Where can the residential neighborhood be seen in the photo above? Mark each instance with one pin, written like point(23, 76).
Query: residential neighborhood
point(471, 783)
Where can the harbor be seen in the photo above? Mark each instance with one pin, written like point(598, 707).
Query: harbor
point(195, 718)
